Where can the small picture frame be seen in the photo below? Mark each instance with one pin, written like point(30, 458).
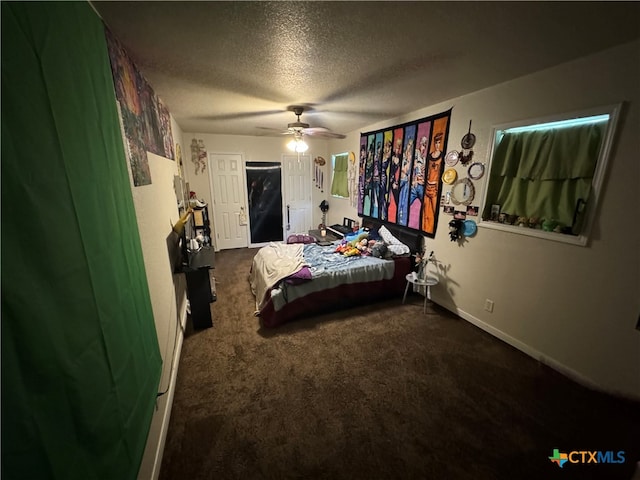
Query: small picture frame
point(448, 209)
point(472, 211)
point(198, 219)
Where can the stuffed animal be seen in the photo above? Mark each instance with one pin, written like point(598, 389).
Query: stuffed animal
point(549, 224)
point(354, 247)
point(522, 221)
point(379, 249)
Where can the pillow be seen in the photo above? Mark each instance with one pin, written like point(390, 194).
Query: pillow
point(395, 246)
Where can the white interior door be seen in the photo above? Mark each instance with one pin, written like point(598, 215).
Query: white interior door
point(296, 193)
point(226, 176)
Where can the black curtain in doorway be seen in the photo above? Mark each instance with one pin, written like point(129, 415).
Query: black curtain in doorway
point(264, 189)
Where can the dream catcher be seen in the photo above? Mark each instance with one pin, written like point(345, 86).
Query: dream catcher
point(467, 143)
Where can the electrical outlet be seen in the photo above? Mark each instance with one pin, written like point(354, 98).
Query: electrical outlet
point(488, 305)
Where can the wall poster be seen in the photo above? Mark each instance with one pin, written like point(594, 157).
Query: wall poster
point(145, 120)
point(400, 173)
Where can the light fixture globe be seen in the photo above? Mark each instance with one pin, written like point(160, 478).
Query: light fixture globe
point(298, 145)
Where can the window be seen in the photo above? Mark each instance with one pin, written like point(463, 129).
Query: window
point(340, 182)
point(546, 175)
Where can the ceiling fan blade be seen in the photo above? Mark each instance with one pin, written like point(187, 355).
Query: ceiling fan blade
point(299, 128)
point(324, 134)
point(271, 131)
point(314, 130)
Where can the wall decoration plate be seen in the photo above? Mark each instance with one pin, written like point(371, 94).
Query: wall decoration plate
point(449, 176)
point(452, 158)
point(476, 171)
point(470, 228)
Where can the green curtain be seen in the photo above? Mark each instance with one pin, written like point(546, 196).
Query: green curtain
point(543, 173)
point(80, 358)
point(340, 183)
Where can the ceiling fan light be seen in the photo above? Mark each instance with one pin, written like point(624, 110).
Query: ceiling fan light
point(297, 145)
point(302, 146)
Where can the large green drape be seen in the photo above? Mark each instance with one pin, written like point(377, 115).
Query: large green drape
point(543, 173)
point(340, 183)
point(80, 359)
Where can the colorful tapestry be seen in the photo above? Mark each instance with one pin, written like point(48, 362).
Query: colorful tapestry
point(400, 173)
point(146, 122)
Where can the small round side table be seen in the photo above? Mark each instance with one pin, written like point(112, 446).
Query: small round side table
point(428, 282)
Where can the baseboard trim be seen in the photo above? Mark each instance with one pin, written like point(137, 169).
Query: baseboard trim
point(537, 355)
point(165, 404)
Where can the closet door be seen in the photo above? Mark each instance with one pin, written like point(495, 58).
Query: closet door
point(297, 194)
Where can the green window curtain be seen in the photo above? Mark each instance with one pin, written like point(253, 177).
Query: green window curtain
point(544, 173)
point(340, 183)
point(80, 357)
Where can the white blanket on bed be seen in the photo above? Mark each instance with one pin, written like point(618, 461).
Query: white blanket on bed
point(271, 264)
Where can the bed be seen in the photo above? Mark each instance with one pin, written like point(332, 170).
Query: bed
point(290, 281)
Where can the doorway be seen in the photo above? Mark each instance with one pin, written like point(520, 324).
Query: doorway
point(264, 198)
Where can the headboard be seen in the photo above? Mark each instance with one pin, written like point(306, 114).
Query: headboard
point(411, 238)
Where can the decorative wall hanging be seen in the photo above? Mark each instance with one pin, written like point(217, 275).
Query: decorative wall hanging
point(318, 175)
point(452, 158)
point(198, 155)
point(465, 158)
point(469, 228)
point(467, 143)
point(449, 176)
point(400, 172)
point(145, 120)
point(476, 171)
point(463, 192)
point(469, 140)
point(352, 177)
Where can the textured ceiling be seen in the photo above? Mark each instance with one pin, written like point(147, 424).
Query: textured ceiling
point(235, 67)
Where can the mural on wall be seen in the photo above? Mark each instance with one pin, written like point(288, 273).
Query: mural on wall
point(145, 120)
point(400, 172)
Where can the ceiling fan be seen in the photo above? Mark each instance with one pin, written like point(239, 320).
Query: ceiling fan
point(298, 129)
point(302, 128)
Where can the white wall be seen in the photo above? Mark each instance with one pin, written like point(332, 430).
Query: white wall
point(574, 308)
point(156, 212)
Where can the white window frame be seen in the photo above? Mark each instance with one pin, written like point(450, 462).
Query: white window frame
point(582, 238)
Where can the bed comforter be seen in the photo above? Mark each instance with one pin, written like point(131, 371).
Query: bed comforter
point(333, 280)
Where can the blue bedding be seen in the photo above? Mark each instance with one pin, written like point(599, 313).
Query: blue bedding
point(324, 261)
point(329, 270)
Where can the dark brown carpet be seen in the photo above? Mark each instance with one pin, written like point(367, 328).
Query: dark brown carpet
point(377, 392)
